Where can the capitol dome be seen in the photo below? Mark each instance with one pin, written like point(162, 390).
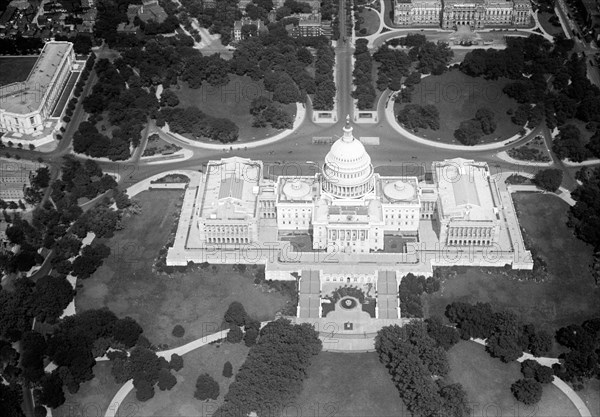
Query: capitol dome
point(348, 172)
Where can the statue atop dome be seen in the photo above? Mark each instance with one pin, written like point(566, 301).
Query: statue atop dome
point(348, 131)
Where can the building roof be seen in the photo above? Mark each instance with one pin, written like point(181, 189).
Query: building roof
point(297, 189)
point(398, 189)
point(231, 188)
point(465, 190)
point(27, 96)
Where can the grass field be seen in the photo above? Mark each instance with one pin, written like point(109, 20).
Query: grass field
point(487, 382)
point(15, 69)
point(590, 394)
point(570, 296)
point(197, 300)
point(93, 397)
point(457, 98)
point(232, 102)
point(549, 27)
point(348, 385)
point(180, 400)
point(369, 20)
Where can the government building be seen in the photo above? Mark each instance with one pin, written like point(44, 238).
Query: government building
point(26, 106)
point(348, 235)
point(347, 209)
point(449, 14)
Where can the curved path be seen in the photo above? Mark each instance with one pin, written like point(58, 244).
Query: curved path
point(557, 382)
point(117, 400)
point(178, 139)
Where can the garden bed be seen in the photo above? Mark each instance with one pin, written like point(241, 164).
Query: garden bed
point(534, 151)
point(158, 146)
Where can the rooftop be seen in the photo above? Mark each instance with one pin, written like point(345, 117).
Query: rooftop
point(465, 191)
point(230, 189)
point(27, 96)
point(398, 189)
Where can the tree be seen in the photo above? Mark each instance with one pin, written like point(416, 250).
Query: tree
point(41, 179)
point(166, 380)
point(250, 336)
point(127, 331)
point(469, 132)
point(178, 331)
point(235, 334)
point(169, 98)
point(568, 144)
point(10, 398)
point(176, 362)
point(144, 390)
point(51, 392)
point(445, 336)
point(548, 179)
point(236, 314)
point(206, 388)
point(527, 390)
point(486, 117)
point(52, 295)
point(227, 370)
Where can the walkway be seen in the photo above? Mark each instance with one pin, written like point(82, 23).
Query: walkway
point(584, 411)
point(564, 194)
point(181, 350)
point(178, 139)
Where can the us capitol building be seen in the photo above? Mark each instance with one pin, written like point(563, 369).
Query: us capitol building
point(348, 214)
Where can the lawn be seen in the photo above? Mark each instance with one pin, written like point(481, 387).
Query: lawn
point(158, 146)
point(369, 20)
point(348, 385)
point(590, 394)
point(128, 285)
point(15, 69)
point(457, 97)
point(180, 400)
point(93, 397)
point(487, 382)
point(569, 296)
point(232, 102)
point(547, 26)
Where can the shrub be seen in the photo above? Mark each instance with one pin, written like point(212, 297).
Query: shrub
point(236, 314)
point(206, 388)
point(178, 331)
point(227, 370)
point(176, 362)
point(527, 390)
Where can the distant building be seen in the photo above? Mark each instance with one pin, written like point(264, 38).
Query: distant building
point(148, 10)
point(25, 106)
point(308, 25)
point(476, 14)
point(239, 24)
point(418, 12)
point(314, 4)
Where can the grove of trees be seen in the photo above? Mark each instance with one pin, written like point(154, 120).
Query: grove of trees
point(274, 370)
point(418, 366)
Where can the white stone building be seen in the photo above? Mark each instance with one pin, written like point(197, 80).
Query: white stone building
point(26, 106)
point(476, 14)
